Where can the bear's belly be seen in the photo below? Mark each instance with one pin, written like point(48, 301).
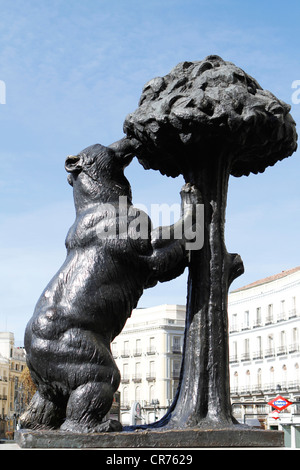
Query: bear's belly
point(73, 358)
point(88, 292)
point(74, 345)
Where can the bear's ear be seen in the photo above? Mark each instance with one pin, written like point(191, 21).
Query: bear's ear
point(73, 163)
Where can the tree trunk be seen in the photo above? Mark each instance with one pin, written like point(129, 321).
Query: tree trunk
point(204, 393)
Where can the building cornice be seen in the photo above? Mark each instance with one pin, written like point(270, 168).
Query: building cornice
point(257, 295)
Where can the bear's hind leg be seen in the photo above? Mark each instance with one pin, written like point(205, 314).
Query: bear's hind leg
point(42, 413)
point(86, 408)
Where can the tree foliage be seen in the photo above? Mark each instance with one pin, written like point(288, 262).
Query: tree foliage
point(205, 108)
point(28, 384)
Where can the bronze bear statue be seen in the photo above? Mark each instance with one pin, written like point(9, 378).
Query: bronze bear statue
point(87, 303)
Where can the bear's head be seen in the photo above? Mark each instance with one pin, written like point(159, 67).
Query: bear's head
point(97, 174)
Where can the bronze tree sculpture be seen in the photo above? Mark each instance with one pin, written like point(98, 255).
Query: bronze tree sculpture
point(208, 120)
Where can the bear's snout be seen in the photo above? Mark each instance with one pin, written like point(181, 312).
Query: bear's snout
point(72, 163)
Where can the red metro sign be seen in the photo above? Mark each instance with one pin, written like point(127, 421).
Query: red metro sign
point(279, 403)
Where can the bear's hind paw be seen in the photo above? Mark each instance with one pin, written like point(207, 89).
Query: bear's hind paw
point(111, 425)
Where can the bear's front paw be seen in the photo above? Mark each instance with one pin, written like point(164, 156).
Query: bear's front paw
point(111, 425)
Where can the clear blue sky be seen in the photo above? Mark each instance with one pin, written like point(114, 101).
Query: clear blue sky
point(73, 69)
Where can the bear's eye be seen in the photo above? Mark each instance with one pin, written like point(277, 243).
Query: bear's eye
point(88, 161)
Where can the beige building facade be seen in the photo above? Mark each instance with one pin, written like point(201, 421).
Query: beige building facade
point(12, 363)
point(148, 354)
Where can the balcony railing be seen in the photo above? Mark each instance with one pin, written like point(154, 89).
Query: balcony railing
point(281, 350)
point(137, 378)
point(125, 379)
point(137, 352)
point(292, 313)
point(281, 316)
point(245, 326)
point(270, 352)
point(176, 350)
point(233, 328)
point(151, 376)
point(233, 359)
point(294, 347)
point(151, 350)
point(175, 374)
point(125, 353)
point(260, 354)
point(245, 356)
point(257, 355)
point(268, 320)
point(294, 385)
point(260, 389)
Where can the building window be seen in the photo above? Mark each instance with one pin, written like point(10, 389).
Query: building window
point(138, 347)
point(293, 311)
point(259, 379)
point(176, 348)
point(270, 348)
point(152, 368)
point(125, 376)
point(233, 355)
point(258, 353)
point(297, 375)
point(174, 389)
point(151, 375)
point(151, 393)
point(246, 320)
point(234, 323)
point(272, 378)
point(176, 370)
point(138, 394)
point(125, 352)
point(294, 346)
point(258, 317)
point(114, 350)
point(235, 382)
point(151, 348)
point(125, 401)
point(281, 315)
point(246, 354)
point(282, 347)
point(269, 318)
point(138, 372)
point(248, 381)
point(284, 377)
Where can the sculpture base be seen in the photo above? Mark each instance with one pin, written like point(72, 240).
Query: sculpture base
point(187, 438)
